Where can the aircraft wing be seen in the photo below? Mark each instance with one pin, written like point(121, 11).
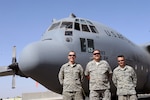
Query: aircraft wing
point(5, 71)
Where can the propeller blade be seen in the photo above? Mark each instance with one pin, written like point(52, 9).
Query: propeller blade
point(13, 82)
point(14, 60)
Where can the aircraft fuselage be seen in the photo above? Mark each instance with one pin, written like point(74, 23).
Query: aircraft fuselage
point(42, 60)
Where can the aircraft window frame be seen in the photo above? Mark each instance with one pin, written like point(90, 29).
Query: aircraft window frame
point(83, 44)
point(93, 29)
point(82, 21)
point(85, 25)
point(68, 33)
point(54, 26)
point(85, 28)
point(89, 22)
point(87, 45)
point(77, 20)
point(90, 44)
point(66, 24)
point(77, 26)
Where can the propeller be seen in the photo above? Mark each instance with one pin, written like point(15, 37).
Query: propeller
point(14, 60)
point(15, 68)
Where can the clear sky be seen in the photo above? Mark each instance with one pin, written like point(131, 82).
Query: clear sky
point(24, 21)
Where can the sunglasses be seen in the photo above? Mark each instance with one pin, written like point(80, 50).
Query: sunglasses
point(72, 55)
point(96, 53)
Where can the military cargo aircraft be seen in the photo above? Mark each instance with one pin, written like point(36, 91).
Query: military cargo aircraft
point(41, 60)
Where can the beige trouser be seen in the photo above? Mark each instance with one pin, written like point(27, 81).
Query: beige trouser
point(76, 95)
point(127, 97)
point(100, 95)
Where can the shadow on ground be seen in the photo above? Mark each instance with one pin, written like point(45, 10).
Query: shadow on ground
point(144, 98)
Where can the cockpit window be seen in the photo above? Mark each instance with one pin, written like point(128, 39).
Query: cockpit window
point(93, 29)
point(82, 21)
point(77, 20)
point(66, 25)
point(77, 26)
point(54, 26)
point(85, 28)
point(89, 22)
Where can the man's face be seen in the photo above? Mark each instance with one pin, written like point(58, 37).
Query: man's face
point(96, 55)
point(71, 57)
point(121, 61)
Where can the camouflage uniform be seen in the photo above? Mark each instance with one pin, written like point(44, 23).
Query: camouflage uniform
point(125, 80)
point(70, 76)
point(99, 74)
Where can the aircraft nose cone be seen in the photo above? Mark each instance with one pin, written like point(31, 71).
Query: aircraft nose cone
point(29, 59)
point(41, 61)
point(40, 56)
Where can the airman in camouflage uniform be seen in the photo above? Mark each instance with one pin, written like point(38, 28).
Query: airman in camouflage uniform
point(124, 78)
point(98, 72)
point(71, 76)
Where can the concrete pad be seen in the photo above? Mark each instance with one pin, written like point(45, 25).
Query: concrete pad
point(49, 95)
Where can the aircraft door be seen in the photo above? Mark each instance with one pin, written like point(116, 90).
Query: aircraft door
point(87, 45)
point(90, 44)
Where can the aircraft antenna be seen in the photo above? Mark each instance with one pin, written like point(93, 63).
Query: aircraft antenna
point(72, 15)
